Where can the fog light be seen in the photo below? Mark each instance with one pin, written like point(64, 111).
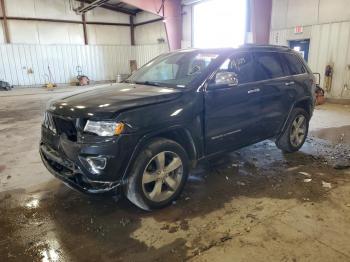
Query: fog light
point(96, 164)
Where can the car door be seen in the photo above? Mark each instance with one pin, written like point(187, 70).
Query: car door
point(232, 112)
point(274, 84)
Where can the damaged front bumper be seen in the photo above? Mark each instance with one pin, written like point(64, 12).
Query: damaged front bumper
point(72, 175)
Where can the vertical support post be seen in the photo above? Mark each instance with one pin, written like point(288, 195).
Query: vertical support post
point(86, 42)
point(261, 19)
point(132, 30)
point(6, 30)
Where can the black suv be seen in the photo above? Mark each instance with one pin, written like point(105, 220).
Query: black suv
point(142, 136)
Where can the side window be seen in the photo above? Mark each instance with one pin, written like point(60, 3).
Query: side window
point(242, 65)
point(295, 66)
point(268, 65)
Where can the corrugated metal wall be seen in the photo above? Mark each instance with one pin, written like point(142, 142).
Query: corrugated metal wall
point(28, 64)
point(329, 44)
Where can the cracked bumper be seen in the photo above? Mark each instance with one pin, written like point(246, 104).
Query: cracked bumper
point(71, 175)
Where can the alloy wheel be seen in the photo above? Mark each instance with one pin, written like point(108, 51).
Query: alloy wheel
point(162, 176)
point(298, 130)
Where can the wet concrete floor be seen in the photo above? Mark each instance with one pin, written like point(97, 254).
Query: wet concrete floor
point(254, 204)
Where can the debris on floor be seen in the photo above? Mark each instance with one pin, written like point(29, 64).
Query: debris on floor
point(326, 184)
point(342, 165)
point(5, 86)
point(305, 174)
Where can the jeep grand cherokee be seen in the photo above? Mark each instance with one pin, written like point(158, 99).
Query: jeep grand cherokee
point(142, 136)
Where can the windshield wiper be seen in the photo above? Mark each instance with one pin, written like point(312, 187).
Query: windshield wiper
point(148, 83)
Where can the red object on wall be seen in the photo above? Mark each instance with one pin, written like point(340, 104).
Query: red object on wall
point(298, 29)
point(172, 17)
point(261, 20)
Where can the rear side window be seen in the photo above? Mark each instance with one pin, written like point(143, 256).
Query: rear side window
point(268, 65)
point(295, 66)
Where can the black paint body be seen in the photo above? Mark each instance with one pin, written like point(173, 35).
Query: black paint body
point(205, 121)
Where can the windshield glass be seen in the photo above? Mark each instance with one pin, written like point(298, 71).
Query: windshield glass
point(174, 69)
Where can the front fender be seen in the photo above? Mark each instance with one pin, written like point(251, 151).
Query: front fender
point(161, 133)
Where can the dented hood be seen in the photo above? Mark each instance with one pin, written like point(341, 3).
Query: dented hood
point(106, 101)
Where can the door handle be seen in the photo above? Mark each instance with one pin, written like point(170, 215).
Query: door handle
point(289, 83)
point(254, 91)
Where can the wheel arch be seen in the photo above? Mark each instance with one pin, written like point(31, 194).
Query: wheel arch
point(178, 134)
point(304, 103)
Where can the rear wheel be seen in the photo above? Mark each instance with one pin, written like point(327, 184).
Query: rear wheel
point(293, 137)
point(159, 174)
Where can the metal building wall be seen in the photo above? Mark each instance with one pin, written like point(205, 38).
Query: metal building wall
point(329, 44)
point(327, 25)
point(28, 64)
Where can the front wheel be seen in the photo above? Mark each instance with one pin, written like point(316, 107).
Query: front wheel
point(159, 174)
point(295, 133)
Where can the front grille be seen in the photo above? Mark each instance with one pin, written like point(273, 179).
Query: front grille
point(66, 126)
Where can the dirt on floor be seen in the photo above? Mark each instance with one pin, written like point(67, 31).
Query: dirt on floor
point(256, 204)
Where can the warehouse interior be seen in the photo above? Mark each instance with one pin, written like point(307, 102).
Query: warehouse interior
point(253, 204)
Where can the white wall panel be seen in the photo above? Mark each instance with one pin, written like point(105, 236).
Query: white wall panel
point(2, 40)
point(60, 33)
point(108, 35)
point(32, 32)
point(290, 13)
point(279, 14)
point(301, 12)
point(144, 16)
point(144, 53)
point(53, 9)
point(23, 32)
point(334, 11)
point(102, 62)
point(104, 15)
point(27, 8)
point(150, 33)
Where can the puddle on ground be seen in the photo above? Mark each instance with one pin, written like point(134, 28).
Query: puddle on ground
point(336, 135)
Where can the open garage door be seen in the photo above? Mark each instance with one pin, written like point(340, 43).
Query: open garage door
point(219, 23)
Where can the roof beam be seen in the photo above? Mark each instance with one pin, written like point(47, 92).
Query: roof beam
point(150, 21)
point(62, 21)
point(111, 7)
point(85, 8)
point(171, 11)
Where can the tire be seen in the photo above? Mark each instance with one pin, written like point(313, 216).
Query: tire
point(146, 177)
point(286, 141)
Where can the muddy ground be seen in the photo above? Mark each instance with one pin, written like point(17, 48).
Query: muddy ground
point(256, 204)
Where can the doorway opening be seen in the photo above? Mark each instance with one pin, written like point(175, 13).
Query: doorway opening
point(219, 23)
point(301, 46)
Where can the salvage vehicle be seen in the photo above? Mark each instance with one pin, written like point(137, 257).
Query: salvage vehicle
point(141, 137)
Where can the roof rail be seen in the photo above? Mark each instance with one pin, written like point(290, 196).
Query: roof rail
point(263, 45)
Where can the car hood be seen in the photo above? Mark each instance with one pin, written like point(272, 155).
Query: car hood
point(108, 100)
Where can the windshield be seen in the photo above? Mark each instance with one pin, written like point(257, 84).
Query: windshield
point(174, 69)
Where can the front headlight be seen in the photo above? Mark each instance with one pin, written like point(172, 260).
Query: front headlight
point(104, 128)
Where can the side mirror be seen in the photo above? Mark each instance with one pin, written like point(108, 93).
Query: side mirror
point(223, 79)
